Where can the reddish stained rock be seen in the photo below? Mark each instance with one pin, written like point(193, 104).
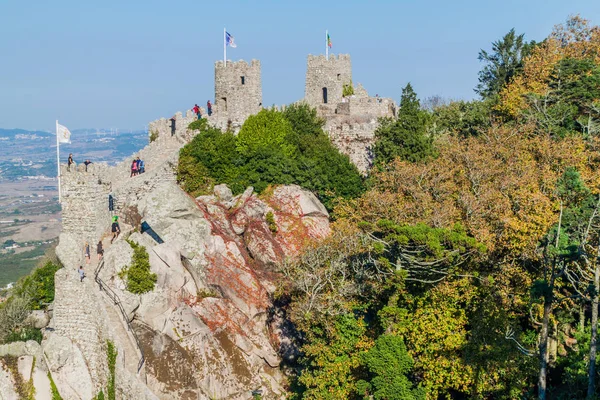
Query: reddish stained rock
point(262, 245)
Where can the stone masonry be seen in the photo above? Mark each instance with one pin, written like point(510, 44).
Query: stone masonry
point(238, 92)
point(325, 79)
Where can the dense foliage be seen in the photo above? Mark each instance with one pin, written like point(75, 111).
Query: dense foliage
point(470, 268)
point(271, 148)
point(406, 137)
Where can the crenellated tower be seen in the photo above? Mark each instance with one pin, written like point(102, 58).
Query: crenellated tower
point(325, 80)
point(238, 92)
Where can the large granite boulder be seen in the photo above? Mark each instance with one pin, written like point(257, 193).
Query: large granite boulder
point(68, 367)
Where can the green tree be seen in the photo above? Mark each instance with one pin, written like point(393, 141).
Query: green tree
point(332, 357)
point(407, 136)
point(572, 101)
point(268, 129)
point(389, 363)
point(210, 158)
point(502, 64)
point(462, 118)
point(321, 168)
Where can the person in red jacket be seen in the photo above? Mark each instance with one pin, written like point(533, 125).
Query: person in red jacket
point(196, 110)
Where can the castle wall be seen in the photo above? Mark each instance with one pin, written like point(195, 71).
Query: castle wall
point(161, 128)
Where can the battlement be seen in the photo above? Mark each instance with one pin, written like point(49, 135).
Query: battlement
point(241, 64)
point(176, 126)
point(320, 58)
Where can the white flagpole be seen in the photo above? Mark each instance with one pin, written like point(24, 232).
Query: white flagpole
point(58, 163)
point(225, 46)
point(326, 45)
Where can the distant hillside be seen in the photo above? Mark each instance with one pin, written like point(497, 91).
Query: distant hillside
point(11, 133)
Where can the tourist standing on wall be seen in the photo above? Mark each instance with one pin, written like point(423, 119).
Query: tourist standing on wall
point(100, 250)
point(196, 110)
point(81, 273)
point(209, 108)
point(70, 161)
point(87, 162)
point(115, 228)
point(172, 125)
point(133, 168)
point(86, 249)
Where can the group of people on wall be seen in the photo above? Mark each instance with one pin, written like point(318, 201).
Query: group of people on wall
point(196, 109)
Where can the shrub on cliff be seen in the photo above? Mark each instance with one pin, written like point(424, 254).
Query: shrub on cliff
point(272, 148)
point(32, 292)
point(39, 286)
point(139, 278)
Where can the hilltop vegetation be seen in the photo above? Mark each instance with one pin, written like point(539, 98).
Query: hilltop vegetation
point(468, 263)
point(272, 148)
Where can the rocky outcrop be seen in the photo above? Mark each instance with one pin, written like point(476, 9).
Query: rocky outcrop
point(22, 364)
point(206, 330)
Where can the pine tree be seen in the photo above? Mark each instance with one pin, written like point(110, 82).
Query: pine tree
point(405, 137)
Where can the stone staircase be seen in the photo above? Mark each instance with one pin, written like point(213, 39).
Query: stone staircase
point(126, 349)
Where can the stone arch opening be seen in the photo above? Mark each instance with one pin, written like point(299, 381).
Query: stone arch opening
point(224, 103)
point(324, 95)
point(243, 79)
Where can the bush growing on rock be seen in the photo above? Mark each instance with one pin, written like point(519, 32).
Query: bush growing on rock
point(139, 278)
point(272, 148)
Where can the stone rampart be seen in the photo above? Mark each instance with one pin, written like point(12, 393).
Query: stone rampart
point(354, 137)
point(177, 125)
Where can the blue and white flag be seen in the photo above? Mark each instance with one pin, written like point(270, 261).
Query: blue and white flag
point(229, 40)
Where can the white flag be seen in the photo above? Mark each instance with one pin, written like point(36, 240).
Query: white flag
point(64, 135)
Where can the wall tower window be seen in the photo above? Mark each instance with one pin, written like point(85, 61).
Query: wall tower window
point(339, 77)
point(224, 103)
point(324, 95)
point(243, 79)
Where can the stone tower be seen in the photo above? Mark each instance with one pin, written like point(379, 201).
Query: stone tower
point(238, 92)
point(325, 80)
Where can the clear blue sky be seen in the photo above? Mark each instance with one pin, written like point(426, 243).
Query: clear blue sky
point(123, 63)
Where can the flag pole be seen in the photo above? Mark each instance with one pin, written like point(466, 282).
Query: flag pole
point(225, 46)
point(326, 45)
point(58, 164)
